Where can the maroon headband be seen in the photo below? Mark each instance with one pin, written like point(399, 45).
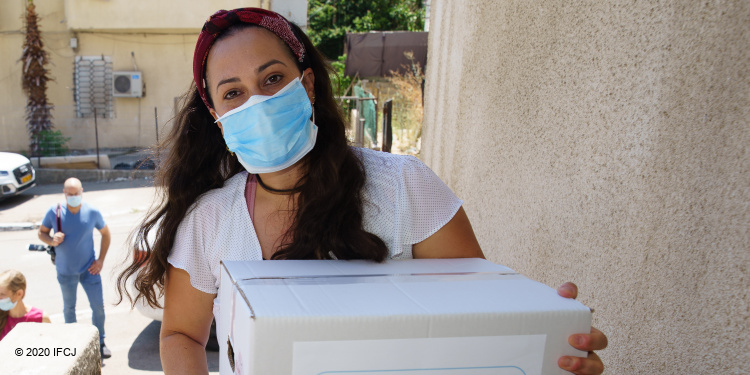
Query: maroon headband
point(222, 20)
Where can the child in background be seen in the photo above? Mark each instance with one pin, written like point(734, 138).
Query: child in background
point(12, 308)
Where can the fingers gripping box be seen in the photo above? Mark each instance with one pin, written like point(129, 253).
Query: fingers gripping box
point(407, 317)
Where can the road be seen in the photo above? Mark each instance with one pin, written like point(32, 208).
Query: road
point(132, 338)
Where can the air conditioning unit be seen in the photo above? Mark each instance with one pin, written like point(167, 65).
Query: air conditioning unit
point(127, 84)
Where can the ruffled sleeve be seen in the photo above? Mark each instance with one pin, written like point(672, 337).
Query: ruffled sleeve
point(188, 252)
point(406, 202)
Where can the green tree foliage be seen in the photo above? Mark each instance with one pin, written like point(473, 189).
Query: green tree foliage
point(52, 143)
point(330, 20)
point(341, 82)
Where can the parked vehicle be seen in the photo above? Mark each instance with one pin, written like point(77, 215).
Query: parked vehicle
point(156, 313)
point(16, 174)
point(142, 306)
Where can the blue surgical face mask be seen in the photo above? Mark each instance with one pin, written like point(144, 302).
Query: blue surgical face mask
point(6, 304)
point(270, 133)
point(74, 200)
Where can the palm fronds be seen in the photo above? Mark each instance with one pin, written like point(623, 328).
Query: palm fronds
point(34, 80)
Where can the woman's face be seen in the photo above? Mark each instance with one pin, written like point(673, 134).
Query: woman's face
point(253, 61)
point(7, 293)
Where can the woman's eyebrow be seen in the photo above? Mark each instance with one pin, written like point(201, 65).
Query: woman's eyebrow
point(227, 80)
point(266, 65)
point(260, 69)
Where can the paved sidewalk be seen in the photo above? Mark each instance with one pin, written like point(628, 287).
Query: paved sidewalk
point(112, 198)
point(25, 211)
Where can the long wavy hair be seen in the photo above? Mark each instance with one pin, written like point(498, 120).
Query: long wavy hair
point(328, 213)
point(13, 281)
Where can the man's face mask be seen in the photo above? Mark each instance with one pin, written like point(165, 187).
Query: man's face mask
point(74, 200)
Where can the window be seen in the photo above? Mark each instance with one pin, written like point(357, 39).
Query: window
point(93, 86)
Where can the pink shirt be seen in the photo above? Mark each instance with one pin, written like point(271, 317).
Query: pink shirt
point(250, 194)
point(34, 315)
point(250, 188)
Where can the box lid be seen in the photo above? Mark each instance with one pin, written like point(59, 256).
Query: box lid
point(328, 288)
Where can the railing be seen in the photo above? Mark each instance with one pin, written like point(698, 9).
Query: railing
point(359, 122)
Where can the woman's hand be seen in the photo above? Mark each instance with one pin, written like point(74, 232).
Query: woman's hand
point(596, 340)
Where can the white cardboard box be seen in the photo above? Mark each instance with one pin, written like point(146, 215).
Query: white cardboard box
point(407, 317)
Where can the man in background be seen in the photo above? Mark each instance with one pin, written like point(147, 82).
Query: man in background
point(76, 262)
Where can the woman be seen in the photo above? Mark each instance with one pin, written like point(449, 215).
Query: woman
point(12, 308)
point(308, 194)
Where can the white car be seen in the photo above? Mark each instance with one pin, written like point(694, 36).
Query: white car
point(156, 313)
point(16, 174)
point(142, 306)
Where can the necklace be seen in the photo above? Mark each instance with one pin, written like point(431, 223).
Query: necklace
point(276, 191)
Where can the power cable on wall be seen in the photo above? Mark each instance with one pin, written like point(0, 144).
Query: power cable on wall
point(105, 35)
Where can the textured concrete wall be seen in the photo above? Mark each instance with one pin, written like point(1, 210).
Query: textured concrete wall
point(607, 143)
point(51, 349)
point(186, 15)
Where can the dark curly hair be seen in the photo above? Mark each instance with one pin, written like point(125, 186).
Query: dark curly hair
point(328, 215)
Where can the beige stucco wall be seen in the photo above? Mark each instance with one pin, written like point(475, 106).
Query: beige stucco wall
point(607, 143)
point(157, 16)
point(163, 52)
point(12, 99)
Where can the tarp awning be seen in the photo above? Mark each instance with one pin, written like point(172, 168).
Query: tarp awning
point(377, 53)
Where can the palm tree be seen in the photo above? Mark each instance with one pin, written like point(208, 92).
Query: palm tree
point(34, 81)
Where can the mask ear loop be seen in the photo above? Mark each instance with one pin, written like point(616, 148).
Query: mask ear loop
point(312, 101)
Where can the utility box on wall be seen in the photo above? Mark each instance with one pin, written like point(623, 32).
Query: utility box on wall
point(127, 84)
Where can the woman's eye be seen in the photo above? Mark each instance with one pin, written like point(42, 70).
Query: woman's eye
point(276, 78)
point(231, 94)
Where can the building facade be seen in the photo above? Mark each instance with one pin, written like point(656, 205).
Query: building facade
point(101, 52)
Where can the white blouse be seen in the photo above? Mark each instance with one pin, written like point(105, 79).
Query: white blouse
point(404, 203)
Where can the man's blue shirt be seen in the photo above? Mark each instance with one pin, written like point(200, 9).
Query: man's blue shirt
point(76, 253)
